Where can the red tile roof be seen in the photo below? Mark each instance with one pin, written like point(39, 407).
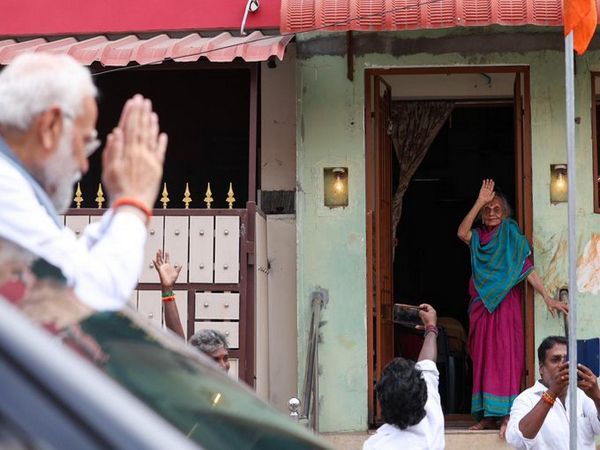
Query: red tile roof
point(221, 48)
point(398, 15)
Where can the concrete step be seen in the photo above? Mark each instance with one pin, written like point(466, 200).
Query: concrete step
point(455, 440)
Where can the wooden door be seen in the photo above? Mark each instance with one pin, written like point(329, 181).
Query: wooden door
point(523, 206)
point(382, 279)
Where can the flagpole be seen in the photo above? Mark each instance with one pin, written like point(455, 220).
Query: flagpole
point(572, 254)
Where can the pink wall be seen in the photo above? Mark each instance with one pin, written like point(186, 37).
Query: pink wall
point(51, 17)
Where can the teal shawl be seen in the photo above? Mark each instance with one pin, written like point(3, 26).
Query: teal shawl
point(498, 265)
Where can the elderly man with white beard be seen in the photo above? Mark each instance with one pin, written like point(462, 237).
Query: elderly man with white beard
point(48, 116)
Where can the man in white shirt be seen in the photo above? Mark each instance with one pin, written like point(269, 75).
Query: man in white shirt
point(48, 116)
point(539, 418)
point(409, 398)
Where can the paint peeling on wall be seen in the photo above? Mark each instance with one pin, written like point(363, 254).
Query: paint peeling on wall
point(588, 267)
point(555, 248)
point(346, 342)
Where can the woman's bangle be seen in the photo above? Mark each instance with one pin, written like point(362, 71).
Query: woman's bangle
point(170, 298)
point(547, 398)
point(431, 329)
point(168, 294)
point(129, 201)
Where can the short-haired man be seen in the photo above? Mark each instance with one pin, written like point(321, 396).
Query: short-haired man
point(539, 415)
point(48, 115)
point(409, 398)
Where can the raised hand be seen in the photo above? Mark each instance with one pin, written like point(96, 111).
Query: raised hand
point(134, 155)
point(428, 314)
point(560, 382)
point(486, 193)
point(587, 382)
point(167, 273)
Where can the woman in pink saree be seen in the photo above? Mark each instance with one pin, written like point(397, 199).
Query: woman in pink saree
point(500, 260)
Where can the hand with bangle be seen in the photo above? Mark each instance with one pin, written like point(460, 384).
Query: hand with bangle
point(168, 275)
point(429, 317)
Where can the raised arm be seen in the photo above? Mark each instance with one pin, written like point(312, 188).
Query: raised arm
point(486, 194)
point(552, 304)
point(531, 423)
point(429, 349)
point(168, 276)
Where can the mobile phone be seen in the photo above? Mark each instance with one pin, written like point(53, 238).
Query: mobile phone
point(407, 315)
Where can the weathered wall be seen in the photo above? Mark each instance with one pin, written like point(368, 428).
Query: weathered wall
point(278, 172)
point(331, 243)
point(278, 123)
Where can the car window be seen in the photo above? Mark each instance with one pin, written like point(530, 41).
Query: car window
point(197, 398)
point(12, 437)
point(176, 381)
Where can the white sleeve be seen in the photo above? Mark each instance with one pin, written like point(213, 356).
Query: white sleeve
point(520, 408)
point(103, 266)
point(107, 268)
point(591, 414)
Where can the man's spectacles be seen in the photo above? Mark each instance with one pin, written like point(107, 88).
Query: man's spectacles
point(90, 142)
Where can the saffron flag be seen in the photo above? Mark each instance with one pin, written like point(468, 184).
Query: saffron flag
point(581, 18)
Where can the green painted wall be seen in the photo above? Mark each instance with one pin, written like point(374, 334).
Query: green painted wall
point(331, 243)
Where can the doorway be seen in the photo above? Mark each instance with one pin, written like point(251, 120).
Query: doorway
point(209, 112)
point(486, 135)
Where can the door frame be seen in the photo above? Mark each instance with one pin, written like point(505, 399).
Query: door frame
point(523, 196)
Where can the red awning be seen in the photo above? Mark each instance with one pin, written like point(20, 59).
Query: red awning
point(399, 15)
point(222, 48)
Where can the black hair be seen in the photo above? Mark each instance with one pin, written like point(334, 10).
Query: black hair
point(402, 393)
point(547, 344)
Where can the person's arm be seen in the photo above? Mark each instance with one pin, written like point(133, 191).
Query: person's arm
point(429, 349)
point(172, 320)
point(552, 304)
point(532, 422)
point(486, 194)
point(168, 276)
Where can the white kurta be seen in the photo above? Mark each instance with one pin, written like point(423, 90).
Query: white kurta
point(428, 434)
point(103, 266)
point(554, 434)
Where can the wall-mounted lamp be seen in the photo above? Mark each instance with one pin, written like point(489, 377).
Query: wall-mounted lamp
point(335, 181)
point(559, 186)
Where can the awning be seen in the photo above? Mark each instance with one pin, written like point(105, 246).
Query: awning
point(399, 15)
point(221, 48)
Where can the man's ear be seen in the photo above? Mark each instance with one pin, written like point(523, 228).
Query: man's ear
point(49, 128)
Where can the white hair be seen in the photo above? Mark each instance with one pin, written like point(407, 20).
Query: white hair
point(34, 82)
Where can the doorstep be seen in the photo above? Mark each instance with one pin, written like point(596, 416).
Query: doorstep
point(456, 439)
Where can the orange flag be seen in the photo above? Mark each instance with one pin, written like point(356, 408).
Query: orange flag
point(581, 18)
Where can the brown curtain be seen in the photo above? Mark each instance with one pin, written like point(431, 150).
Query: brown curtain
point(413, 127)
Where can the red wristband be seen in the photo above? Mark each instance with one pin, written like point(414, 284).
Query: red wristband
point(547, 398)
point(169, 298)
point(431, 329)
point(128, 201)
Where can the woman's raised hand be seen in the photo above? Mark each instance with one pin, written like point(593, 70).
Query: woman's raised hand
point(486, 193)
